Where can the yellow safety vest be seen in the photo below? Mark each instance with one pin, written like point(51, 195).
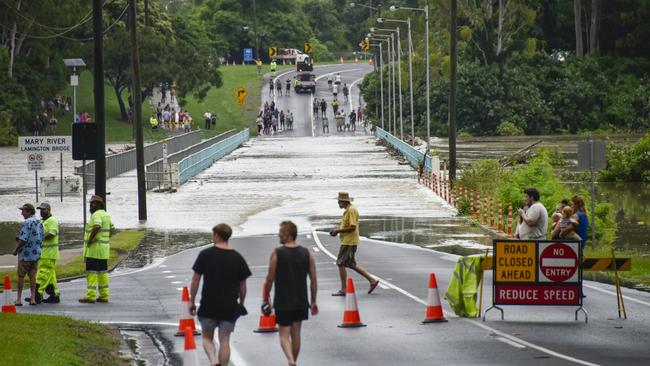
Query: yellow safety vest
point(153, 121)
point(50, 248)
point(274, 65)
point(100, 247)
point(461, 293)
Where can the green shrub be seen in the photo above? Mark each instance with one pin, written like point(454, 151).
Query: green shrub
point(628, 164)
point(482, 176)
point(8, 133)
point(509, 129)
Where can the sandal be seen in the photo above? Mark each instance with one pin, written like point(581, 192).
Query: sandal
point(18, 304)
point(339, 293)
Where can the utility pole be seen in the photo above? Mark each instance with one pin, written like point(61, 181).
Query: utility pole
point(137, 115)
point(452, 92)
point(257, 42)
point(98, 91)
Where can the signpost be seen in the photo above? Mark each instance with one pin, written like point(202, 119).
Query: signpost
point(307, 47)
point(37, 146)
point(248, 54)
point(591, 156)
point(537, 273)
point(273, 52)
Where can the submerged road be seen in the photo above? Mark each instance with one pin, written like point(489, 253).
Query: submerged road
point(295, 175)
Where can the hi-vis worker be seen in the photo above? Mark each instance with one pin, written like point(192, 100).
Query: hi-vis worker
point(259, 66)
point(46, 276)
point(96, 251)
point(274, 67)
point(154, 122)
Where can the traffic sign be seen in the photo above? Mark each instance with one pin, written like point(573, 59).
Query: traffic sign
point(516, 262)
point(365, 44)
point(35, 162)
point(45, 144)
point(307, 47)
point(558, 262)
point(273, 51)
point(248, 54)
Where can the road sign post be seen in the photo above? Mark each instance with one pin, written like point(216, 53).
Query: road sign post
point(591, 156)
point(537, 273)
point(307, 47)
point(35, 162)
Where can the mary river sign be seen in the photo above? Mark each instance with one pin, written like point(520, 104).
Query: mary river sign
point(45, 144)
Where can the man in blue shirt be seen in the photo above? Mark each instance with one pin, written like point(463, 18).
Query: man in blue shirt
point(28, 249)
point(578, 203)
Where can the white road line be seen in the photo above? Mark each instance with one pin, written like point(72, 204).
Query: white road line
point(473, 322)
point(350, 95)
point(511, 343)
point(614, 294)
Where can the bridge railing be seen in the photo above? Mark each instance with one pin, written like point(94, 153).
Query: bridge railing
point(194, 164)
point(413, 155)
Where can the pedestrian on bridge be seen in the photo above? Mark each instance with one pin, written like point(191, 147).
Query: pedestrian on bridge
point(224, 273)
point(323, 108)
point(278, 87)
point(288, 269)
point(349, 236)
point(97, 251)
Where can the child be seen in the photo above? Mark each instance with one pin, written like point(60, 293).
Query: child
point(567, 221)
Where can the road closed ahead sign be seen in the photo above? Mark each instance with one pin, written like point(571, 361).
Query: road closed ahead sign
point(536, 273)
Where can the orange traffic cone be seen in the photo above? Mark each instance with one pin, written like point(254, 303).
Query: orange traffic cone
point(186, 320)
point(8, 305)
point(434, 309)
point(356, 60)
point(267, 324)
point(341, 59)
point(351, 318)
point(190, 357)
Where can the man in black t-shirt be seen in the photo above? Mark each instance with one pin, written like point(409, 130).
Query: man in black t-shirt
point(289, 267)
point(224, 273)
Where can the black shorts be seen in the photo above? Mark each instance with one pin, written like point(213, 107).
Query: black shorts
point(285, 318)
point(94, 265)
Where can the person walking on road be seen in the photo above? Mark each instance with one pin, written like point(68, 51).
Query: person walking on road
point(315, 108)
point(224, 272)
point(323, 108)
point(349, 236)
point(274, 67)
point(96, 251)
point(271, 85)
point(534, 219)
point(288, 269)
point(46, 275)
point(28, 249)
point(278, 87)
point(346, 91)
point(287, 86)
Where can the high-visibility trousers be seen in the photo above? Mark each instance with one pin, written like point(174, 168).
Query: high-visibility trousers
point(46, 276)
point(97, 281)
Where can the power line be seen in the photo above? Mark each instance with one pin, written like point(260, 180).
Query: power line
point(64, 30)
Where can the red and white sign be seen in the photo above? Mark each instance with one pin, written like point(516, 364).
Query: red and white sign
point(35, 162)
point(537, 294)
point(558, 262)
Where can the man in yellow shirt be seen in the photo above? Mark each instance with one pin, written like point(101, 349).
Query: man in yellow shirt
point(349, 235)
point(97, 251)
point(46, 276)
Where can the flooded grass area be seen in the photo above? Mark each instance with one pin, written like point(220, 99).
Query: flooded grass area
point(70, 237)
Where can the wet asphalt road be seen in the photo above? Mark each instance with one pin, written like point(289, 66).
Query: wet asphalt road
point(529, 336)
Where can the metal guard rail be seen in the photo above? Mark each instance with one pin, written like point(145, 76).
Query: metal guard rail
point(413, 155)
point(198, 162)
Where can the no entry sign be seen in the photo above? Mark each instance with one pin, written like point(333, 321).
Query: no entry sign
point(536, 273)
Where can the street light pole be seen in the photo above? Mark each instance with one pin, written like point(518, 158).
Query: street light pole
point(392, 41)
point(399, 88)
point(257, 43)
point(452, 92)
point(381, 81)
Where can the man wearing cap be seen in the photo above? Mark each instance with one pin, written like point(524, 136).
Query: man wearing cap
point(349, 234)
point(46, 276)
point(28, 250)
point(97, 251)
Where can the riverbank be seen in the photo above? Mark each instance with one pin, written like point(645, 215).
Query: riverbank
point(29, 339)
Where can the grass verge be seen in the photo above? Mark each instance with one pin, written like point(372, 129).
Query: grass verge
point(121, 244)
point(221, 100)
point(27, 339)
point(639, 276)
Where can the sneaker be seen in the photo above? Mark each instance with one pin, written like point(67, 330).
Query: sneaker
point(102, 300)
point(85, 300)
point(52, 300)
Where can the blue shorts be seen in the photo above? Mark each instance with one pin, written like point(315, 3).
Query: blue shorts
point(209, 324)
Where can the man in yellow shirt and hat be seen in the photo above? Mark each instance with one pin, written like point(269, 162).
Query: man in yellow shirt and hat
point(349, 234)
point(97, 251)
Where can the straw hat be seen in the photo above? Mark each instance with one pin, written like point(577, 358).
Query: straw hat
point(344, 196)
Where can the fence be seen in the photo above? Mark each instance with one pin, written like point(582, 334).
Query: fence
point(411, 154)
point(192, 165)
point(155, 171)
point(117, 164)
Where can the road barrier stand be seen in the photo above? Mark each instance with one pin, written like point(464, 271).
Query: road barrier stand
point(186, 319)
point(536, 272)
point(481, 282)
point(619, 293)
point(509, 218)
point(8, 305)
point(190, 357)
point(351, 318)
point(434, 308)
point(500, 218)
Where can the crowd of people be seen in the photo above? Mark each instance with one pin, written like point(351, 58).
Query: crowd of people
point(169, 119)
point(344, 121)
point(46, 121)
point(271, 120)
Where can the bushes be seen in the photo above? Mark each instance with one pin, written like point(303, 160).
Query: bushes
point(509, 129)
point(629, 164)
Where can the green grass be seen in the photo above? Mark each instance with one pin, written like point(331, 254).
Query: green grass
point(221, 100)
point(639, 275)
point(27, 339)
point(121, 244)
